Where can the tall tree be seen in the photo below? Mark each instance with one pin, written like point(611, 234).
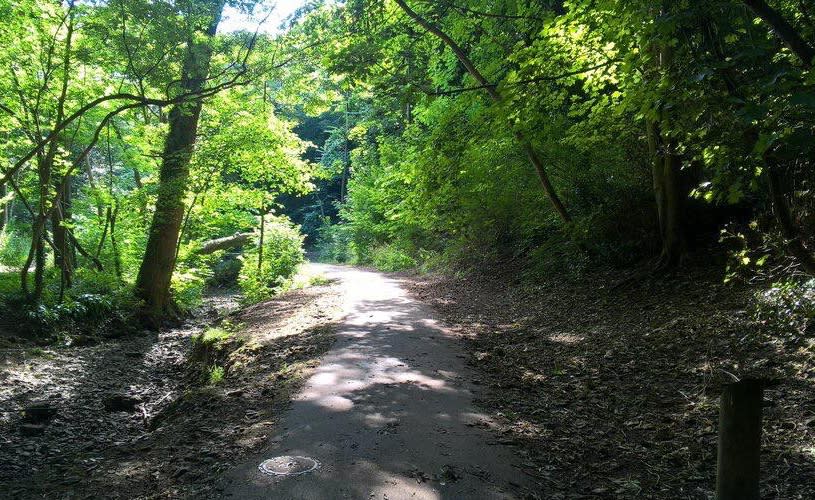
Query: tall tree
point(155, 273)
point(492, 91)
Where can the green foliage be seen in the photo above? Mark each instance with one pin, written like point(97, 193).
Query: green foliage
point(215, 335)
point(225, 271)
point(385, 148)
point(786, 305)
point(601, 88)
point(13, 249)
point(215, 374)
point(282, 255)
point(188, 286)
point(391, 258)
point(319, 280)
point(333, 243)
point(61, 71)
point(9, 283)
point(100, 307)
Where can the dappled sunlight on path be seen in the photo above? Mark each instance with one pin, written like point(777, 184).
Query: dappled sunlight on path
point(388, 412)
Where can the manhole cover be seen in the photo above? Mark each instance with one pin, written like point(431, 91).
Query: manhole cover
point(288, 466)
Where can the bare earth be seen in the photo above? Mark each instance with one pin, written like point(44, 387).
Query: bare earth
point(389, 412)
point(183, 433)
point(557, 388)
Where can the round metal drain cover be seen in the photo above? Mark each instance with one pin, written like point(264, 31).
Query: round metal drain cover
point(288, 466)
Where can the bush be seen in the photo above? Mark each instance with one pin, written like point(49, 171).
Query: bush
point(333, 243)
point(391, 258)
point(226, 271)
point(282, 254)
point(188, 286)
point(98, 305)
point(788, 304)
point(9, 284)
point(13, 248)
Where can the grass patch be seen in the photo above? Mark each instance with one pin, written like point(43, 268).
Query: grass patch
point(319, 280)
point(217, 335)
point(215, 374)
point(211, 350)
point(214, 335)
point(9, 282)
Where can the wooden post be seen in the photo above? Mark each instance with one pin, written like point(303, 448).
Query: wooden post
point(737, 475)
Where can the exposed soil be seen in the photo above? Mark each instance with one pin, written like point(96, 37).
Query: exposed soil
point(612, 391)
point(605, 388)
point(134, 417)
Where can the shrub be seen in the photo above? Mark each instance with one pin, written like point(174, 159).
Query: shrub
point(226, 271)
point(391, 258)
point(333, 243)
point(188, 286)
point(788, 304)
point(13, 248)
point(282, 254)
point(98, 305)
point(214, 335)
point(9, 283)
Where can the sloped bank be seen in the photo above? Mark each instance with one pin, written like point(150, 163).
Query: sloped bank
point(612, 391)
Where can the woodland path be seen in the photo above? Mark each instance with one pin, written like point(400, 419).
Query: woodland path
point(388, 412)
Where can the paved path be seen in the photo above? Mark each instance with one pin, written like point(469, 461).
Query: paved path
point(388, 413)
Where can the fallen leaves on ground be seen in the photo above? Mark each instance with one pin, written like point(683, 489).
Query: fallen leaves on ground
point(611, 391)
point(133, 419)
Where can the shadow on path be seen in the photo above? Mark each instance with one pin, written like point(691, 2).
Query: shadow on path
point(388, 413)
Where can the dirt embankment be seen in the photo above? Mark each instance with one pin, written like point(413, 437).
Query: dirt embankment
point(142, 418)
point(612, 391)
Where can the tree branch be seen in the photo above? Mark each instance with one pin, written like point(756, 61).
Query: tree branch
point(784, 30)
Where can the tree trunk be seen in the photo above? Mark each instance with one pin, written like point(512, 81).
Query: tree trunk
point(525, 143)
point(117, 259)
point(739, 453)
point(666, 173)
point(96, 262)
point(45, 165)
point(155, 274)
point(3, 208)
point(37, 252)
point(262, 238)
point(670, 200)
point(63, 254)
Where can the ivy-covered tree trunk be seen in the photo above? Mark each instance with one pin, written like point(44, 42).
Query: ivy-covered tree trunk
point(155, 273)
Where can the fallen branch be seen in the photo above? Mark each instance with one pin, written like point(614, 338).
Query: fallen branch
point(236, 240)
